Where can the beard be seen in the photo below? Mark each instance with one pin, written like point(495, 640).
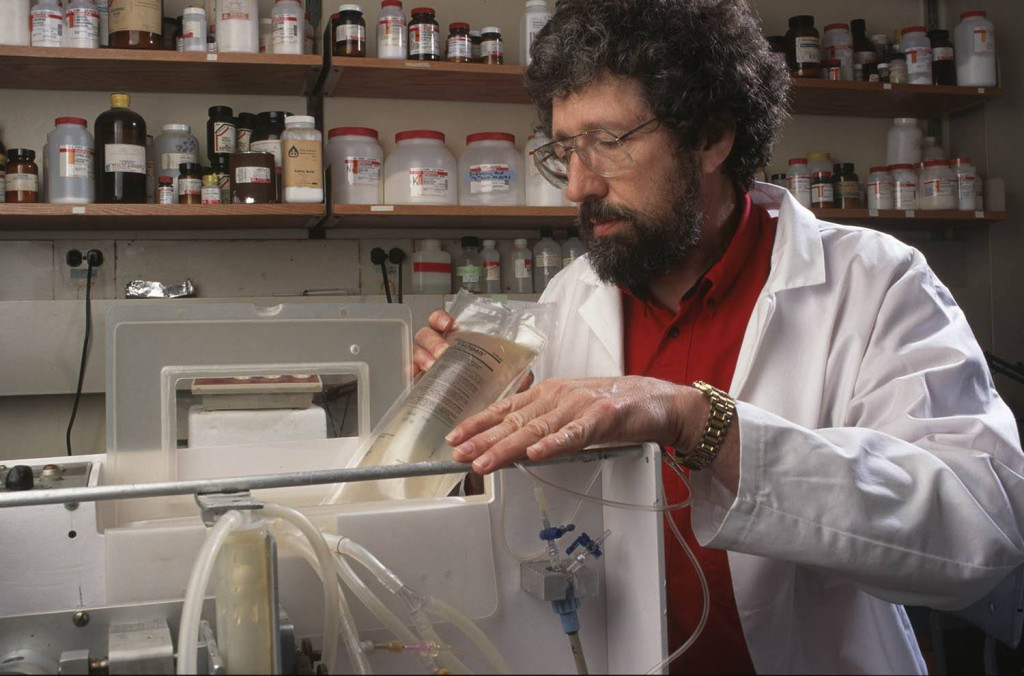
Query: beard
point(650, 244)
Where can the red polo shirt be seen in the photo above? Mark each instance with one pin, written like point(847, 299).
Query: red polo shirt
point(700, 340)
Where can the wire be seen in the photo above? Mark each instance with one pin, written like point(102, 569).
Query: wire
point(609, 503)
point(85, 353)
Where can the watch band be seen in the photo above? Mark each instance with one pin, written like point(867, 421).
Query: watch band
point(723, 410)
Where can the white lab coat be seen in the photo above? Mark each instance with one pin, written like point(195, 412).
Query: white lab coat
point(878, 466)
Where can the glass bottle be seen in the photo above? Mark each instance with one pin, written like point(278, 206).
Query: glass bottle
point(492, 267)
point(135, 24)
point(348, 29)
point(492, 48)
point(22, 177)
point(469, 266)
point(424, 36)
point(943, 58)
point(573, 247)
point(547, 260)
point(460, 45)
point(803, 47)
point(190, 183)
point(120, 154)
point(864, 52)
point(522, 268)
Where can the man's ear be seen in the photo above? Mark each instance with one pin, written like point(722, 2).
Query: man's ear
point(716, 144)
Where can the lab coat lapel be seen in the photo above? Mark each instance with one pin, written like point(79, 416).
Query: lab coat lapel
point(602, 313)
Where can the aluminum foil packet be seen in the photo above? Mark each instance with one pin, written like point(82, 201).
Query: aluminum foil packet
point(142, 289)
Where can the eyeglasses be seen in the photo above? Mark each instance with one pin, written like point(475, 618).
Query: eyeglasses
point(602, 151)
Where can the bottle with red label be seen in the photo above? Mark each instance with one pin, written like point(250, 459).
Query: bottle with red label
point(120, 154)
point(424, 35)
point(431, 268)
point(492, 267)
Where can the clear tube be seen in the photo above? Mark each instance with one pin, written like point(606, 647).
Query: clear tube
point(336, 612)
point(608, 503)
point(469, 628)
point(192, 607)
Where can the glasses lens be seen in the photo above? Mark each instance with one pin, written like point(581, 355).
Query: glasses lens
point(551, 166)
point(603, 153)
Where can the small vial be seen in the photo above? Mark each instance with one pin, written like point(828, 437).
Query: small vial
point(22, 177)
point(492, 267)
point(165, 191)
point(210, 193)
point(492, 49)
point(190, 183)
point(522, 268)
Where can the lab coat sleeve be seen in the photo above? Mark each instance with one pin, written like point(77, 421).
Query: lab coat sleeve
point(917, 496)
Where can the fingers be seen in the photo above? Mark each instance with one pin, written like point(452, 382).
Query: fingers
point(431, 343)
point(527, 382)
point(440, 321)
point(511, 446)
point(488, 418)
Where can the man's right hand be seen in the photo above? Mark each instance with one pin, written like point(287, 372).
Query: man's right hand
point(430, 342)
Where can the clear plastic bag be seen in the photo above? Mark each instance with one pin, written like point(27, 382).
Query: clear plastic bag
point(491, 349)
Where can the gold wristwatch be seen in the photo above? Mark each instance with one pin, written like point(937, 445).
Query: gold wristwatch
point(723, 410)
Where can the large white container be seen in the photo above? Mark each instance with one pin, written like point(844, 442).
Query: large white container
point(539, 191)
point(288, 27)
point(915, 44)
point(431, 268)
point(302, 161)
point(904, 186)
point(974, 40)
point(69, 170)
point(904, 142)
point(238, 26)
point(573, 247)
point(534, 18)
point(357, 163)
point(421, 170)
point(15, 28)
point(879, 189)
point(491, 171)
point(175, 146)
point(938, 187)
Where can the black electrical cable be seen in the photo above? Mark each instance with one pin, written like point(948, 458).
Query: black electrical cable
point(380, 257)
point(85, 351)
point(397, 256)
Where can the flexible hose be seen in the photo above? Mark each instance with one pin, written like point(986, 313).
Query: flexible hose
point(192, 608)
point(469, 628)
point(337, 615)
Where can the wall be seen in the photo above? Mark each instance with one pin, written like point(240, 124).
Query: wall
point(272, 264)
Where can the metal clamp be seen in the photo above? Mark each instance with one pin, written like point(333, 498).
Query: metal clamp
point(214, 505)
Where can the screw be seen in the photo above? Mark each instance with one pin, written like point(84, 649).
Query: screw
point(80, 619)
point(71, 506)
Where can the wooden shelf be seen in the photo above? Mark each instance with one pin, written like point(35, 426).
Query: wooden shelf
point(873, 99)
point(130, 70)
point(158, 216)
point(910, 220)
point(433, 80)
point(478, 218)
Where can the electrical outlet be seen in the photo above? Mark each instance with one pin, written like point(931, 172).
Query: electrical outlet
point(69, 282)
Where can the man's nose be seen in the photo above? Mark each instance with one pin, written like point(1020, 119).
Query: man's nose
point(584, 183)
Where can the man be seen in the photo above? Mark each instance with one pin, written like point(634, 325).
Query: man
point(867, 460)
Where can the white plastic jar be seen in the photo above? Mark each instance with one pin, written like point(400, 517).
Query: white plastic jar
point(534, 18)
point(16, 26)
point(421, 170)
point(904, 186)
point(798, 181)
point(904, 142)
point(431, 268)
point(357, 162)
point(391, 31)
point(879, 189)
point(539, 191)
point(238, 26)
point(914, 43)
point(288, 27)
point(82, 25)
point(938, 186)
point(174, 147)
point(966, 175)
point(491, 170)
point(193, 29)
point(69, 172)
point(302, 163)
point(838, 45)
point(974, 42)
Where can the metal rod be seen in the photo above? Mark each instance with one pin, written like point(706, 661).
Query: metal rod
point(57, 496)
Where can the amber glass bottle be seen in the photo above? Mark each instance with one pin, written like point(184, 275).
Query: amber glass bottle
point(136, 24)
point(120, 154)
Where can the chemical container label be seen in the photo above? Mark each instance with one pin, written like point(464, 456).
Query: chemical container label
point(880, 194)
point(424, 266)
point(492, 269)
point(172, 160)
point(523, 267)
point(190, 186)
point(391, 32)
point(233, 9)
point(74, 161)
point(22, 183)
point(165, 195)
point(808, 50)
point(984, 41)
point(939, 187)
point(211, 194)
point(424, 39)
point(490, 178)
point(192, 29)
point(350, 32)
point(428, 182)
point(272, 147)
point(490, 48)
point(302, 164)
point(470, 274)
point(906, 195)
point(124, 157)
point(242, 137)
point(362, 170)
point(799, 185)
point(919, 61)
point(47, 28)
point(943, 54)
point(965, 186)
point(822, 193)
point(223, 137)
point(252, 175)
point(460, 47)
point(138, 15)
point(83, 24)
point(547, 260)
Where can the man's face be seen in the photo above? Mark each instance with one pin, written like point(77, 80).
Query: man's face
point(642, 223)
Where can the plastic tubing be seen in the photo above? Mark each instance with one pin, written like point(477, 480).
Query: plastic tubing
point(609, 503)
point(469, 628)
point(337, 615)
point(192, 608)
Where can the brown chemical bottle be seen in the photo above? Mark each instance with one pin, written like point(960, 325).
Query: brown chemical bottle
point(136, 24)
point(120, 154)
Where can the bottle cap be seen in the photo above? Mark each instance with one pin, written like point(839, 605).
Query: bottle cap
point(352, 131)
point(69, 120)
point(220, 111)
point(458, 26)
point(837, 27)
point(419, 133)
point(391, 3)
point(913, 29)
point(490, 29)
point(900, 167)
point(221, 163)
point(798, 160)
point(972, 13)
point(961, 161)
point(350, 8)
point(175, 126)
point(22, 153)
point(489, 243)
point(120, 101)
point(430, 245)
point(520, 242)
point(536, 3)
point(423, 10)
point(876, 170)
point(795, 21)
point(189, 168)
point(811, 157)
point(210, 179)
point(936, 163)
point(194, 10)
point(299, 119)
point(844, 168)
point(490, 136)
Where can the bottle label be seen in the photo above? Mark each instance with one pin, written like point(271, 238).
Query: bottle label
point(224, 185)
point(124, 157)
point(391, 32)
point(242, 138)
point(137, 15)
point(74, 161)
point(83, 25)
point(170, 161)
point(223, 137)
point(190, 186)
point(192, 29)
point(285, 32)
point(919, 62)
point(211, 194)
point(799, 185)
point(906, 195)
point(965, 186)
point(424, 266)
point(47, 28)
point(252, 175)
point(469, 274)
point(490, 178)
point(103, 6)
point(492, 269)
point(272, 147)
point(490, 48)
point(822, 193)
point(860, 58)
point(943, 54)
point(350, 32)
point(362, 170)
point(424, 39)
point(234, 10)
point(460, 47)
point(547, 260)
point(22, 183)
point(984, 41)
point(847, 190)
point(302, 164)
point(881, 191)
point(844, 54)
point(523, 268)
point(428, 182)
point(808, 50)
point(165, 195)
point(939, 187)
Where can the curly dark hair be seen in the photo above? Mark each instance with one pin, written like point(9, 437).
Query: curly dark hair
point(703, 66)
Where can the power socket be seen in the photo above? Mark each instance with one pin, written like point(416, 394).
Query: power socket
point(93, 257)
